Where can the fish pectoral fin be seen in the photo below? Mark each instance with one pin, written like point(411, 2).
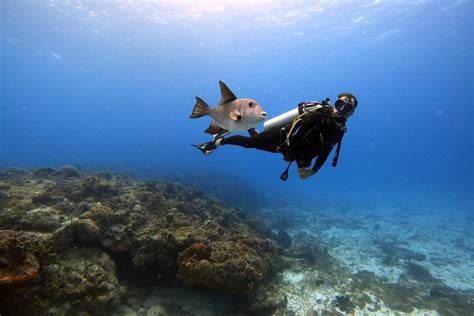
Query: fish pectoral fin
point(214, 128)
point(226, 94)
point(235, 115)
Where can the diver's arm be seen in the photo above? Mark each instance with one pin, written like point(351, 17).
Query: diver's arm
point(326, 150)
point(305, 173)
point(321, 159)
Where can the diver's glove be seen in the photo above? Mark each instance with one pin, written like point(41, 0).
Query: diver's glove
point(305, 173)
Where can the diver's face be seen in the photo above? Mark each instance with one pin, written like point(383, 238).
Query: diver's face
point(344, 106)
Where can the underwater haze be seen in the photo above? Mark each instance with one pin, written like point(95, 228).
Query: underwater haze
point(110, 85)
point(100, 84)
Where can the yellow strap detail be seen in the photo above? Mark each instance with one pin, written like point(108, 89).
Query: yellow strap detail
point(298, 119)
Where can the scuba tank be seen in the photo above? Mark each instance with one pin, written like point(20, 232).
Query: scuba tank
point(283, 119)
point(290, 116)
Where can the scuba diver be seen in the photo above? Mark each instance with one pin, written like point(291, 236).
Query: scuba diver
point(307, 132)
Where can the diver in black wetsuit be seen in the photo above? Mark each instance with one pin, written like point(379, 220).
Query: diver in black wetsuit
point(312, 134)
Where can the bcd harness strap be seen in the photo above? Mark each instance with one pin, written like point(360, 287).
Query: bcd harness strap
point(296, 124)
point(336, 155)
point(284, 175)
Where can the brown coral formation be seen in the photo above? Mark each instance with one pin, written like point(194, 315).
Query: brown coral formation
point(18, 271)
point(227, 265)
point(81, 280)
point(19, 265)
point(63, 229)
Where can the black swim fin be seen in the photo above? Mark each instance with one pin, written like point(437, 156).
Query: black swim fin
point(206, 148)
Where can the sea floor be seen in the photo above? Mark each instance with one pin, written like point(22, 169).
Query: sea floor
point(78, 243)
point(401, 257)
point(355, 260)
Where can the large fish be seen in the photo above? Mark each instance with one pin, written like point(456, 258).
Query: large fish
point(231, 114)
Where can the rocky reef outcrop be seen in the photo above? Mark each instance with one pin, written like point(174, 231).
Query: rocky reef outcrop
point(65, 233)
point(230, 265)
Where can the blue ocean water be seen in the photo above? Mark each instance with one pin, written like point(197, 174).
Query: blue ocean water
point(111, 85)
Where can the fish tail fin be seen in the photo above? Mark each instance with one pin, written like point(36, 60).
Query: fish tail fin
point(200, 108)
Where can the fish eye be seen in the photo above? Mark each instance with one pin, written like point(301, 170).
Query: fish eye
point(252, 104)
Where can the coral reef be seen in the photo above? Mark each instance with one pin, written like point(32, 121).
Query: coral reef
point(224, 265)
point(267, 301)
point(76, 243)
point(363, 263)
point(78, 280)
point(65, 233)
point(18, 264)
point(394, 253)
point(283, 239)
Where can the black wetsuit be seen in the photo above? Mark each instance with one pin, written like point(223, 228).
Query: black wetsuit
point(315, 136)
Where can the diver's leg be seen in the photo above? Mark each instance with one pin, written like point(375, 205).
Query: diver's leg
point(237, 140)
point(267, 141)
point(220, 135)
point(262, 141)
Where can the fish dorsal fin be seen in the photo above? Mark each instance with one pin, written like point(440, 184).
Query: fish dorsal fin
point(226, 94)
point(214, 128)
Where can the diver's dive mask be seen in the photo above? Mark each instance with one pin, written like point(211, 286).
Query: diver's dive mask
point(344, 108)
